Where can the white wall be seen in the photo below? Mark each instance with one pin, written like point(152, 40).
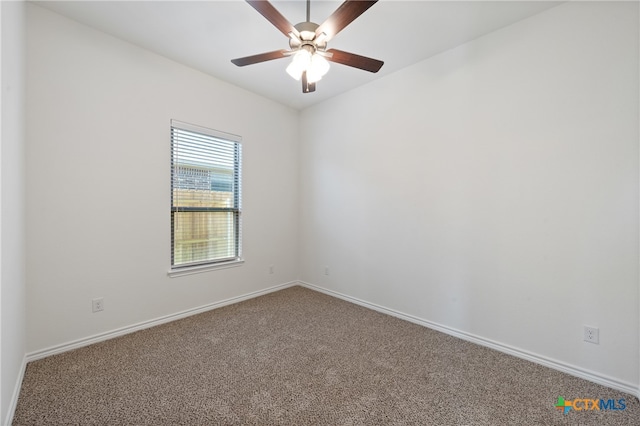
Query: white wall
point(12, 200)
point(98, 113)
point(492, 189)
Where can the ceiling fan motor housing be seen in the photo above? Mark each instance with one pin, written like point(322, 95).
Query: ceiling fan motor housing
point(307, 32)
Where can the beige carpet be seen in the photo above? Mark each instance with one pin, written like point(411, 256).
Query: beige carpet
point(299, 357)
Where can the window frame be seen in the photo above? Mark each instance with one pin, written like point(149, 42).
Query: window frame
point(207, 265)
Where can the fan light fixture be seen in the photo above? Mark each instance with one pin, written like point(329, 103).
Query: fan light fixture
point(313, 63)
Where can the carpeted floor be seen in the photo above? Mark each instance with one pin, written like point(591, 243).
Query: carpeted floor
point(298, 357)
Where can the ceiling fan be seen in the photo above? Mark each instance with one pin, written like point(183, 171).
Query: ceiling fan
point(308, 42)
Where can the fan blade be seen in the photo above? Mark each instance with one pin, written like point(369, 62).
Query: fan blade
point(267, 10)
point(343, 16)
point(353, 60)
point(262, 57)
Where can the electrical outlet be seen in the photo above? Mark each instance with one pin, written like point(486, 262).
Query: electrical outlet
point(592, 335)
point(271, 269)
point(97, 304)
point(326, 270)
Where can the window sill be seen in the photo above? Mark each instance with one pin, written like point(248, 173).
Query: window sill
point(204, 268)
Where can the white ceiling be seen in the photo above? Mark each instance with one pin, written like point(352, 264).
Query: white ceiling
point(206, 35)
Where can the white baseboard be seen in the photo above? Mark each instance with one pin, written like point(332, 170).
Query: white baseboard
point(16, 393)
point(538, 359)
point(86, 341)
point(529, 356)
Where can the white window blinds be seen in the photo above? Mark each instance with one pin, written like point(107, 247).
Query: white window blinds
point(205, 196)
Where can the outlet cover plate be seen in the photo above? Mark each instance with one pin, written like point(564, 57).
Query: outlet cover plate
point(592, 335)
point(97, 304)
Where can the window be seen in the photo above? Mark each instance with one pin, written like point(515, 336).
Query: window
point(205, 197)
